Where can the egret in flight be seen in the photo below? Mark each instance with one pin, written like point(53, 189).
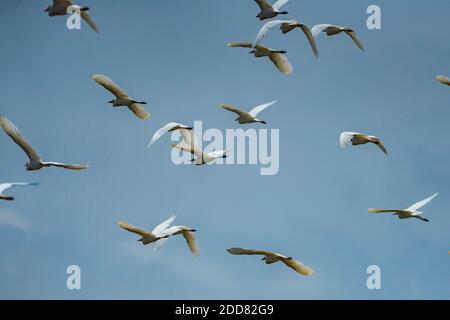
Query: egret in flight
point(35, 162)
point(407, 213)
point(272, 257)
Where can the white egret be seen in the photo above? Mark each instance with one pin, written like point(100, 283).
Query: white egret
point(35, 162)
point(277, 57)
point(186, 232)
point(148, 236)
point(272, 257)
point(59, 8)
point(269, 11)
point(410, 212)
point(332, 30)
point(122, 98)
point(358, 138)
point(248, 117)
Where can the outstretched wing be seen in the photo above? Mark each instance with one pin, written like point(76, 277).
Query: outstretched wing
point(139, 111)
point(346, 138)
point(298, 267)
point(281, 62)
point(381, 146)
point(240, 44)
point(162, 131)
point(265, 28)
point(422, 203)
point(242, 251)
point(189, 236)
point(62, 3)
point(4, 186)
point(67, 166)
point(134, 229)
point(232, 108)
point(15, 134)
point(86, 17)
point(109, 85)
point(162, 226)
point(263, 5)
point(254, 112)
point(352, 35)
point(277, 5)
point(310, 37)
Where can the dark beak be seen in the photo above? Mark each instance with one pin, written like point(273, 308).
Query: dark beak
point(112, 101)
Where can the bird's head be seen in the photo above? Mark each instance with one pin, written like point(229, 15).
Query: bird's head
point(112, 101)
point(264, 259)
point(252, 51)
point(193, 230)
point(48, 9)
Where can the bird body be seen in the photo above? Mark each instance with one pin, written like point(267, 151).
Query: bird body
point(5, 186)
point(277, 57)
point(269, 11)
point(410, 212)
point(121, 97)
point(60, 8)
point(285, 27)
point(186, 232)
point(202, 157)
point(189, 144)
point(35, 162)
point(357, 139)
point(332, 30)
point(272, 257)
point(148, 236)
point(248, 117)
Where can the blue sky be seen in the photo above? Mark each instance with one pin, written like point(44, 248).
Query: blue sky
point(173, 55)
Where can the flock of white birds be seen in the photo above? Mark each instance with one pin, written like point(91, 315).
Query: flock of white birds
point(162, 232)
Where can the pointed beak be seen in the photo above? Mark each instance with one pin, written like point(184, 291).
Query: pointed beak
point(112, 101)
